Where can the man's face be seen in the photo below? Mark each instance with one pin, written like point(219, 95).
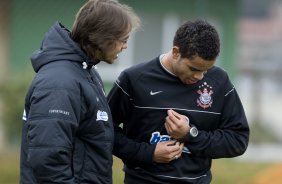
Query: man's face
point(190, 71)
point(111, 55)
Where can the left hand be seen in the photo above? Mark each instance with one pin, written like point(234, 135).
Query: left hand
point(167, 151)
point(176, 124)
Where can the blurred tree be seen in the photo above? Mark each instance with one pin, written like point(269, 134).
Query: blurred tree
point(4, 32)
point(12, 95)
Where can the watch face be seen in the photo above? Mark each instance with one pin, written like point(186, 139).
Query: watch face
point(194, 132)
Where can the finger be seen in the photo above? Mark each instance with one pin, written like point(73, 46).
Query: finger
point(169, 125)
point(173, 123)
point(182, 146)
point(176, 157)
point(175, 119)
point(166, 127)
point(179, 152)
point(171, 118)
point(178, 116)
point(175, 114)
point(168, 120)
point(173, 147)
point(176, 148)
point(170, 143)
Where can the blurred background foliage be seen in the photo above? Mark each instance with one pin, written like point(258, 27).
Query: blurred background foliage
point(12, 93)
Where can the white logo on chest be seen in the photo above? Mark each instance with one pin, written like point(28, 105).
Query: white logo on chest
point(102, 115)
point(154, 93)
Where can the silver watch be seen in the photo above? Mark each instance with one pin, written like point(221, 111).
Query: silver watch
point(193, 132)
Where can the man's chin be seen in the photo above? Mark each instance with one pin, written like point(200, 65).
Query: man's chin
point(109, 61)
point(190, 82)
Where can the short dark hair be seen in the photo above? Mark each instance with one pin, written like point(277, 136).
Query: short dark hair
point(197, 38)
point(99, 23)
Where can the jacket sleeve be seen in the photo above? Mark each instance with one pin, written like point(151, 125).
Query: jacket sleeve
point(52, 123)
point(231, 137)
point(121, 105)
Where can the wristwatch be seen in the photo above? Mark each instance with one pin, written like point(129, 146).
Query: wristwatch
point(193, 132)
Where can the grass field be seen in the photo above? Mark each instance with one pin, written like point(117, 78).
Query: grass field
point(225, 171)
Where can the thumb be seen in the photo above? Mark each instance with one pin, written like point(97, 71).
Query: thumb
point(174, 113)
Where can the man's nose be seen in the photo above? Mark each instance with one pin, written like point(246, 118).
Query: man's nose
point(199, 75)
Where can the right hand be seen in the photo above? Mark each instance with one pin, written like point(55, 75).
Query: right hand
point(167, 151)
point(177, 125)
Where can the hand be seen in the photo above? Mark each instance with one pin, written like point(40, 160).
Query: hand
point(167, 151)
point(176, 124)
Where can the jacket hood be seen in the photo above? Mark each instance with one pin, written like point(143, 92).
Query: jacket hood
point(58, 45)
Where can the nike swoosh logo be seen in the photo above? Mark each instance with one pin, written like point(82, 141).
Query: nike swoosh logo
point(154, 93)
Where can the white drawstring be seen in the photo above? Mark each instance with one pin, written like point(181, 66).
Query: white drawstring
point(84, 65)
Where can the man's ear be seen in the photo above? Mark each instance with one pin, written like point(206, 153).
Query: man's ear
point(175, 52)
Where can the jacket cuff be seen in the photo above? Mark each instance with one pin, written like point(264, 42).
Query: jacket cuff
point(148, 157)
point(187, 137)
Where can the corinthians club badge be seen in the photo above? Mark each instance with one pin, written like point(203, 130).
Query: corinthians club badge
point(205, 98)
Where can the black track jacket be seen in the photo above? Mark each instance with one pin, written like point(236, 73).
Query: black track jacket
point(67, 132)
point(140, 99)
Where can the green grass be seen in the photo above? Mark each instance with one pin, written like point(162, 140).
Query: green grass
point(225, 171)
point(117, 171)
point(231, 171)
point(9, 168)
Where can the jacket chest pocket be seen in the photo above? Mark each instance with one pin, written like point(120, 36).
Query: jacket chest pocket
point(99, 127)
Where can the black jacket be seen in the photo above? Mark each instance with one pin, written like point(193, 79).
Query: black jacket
point(67, 132)
point(140, 99)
